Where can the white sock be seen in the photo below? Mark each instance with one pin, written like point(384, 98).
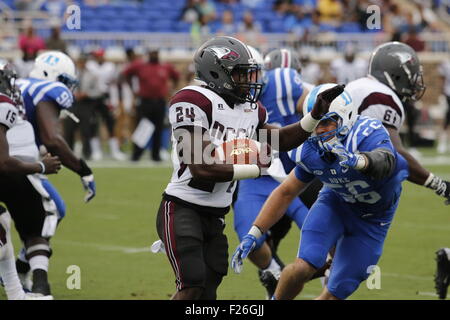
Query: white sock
point(114, 145)
point(96, 146)
point(274, 267)
point(39, 262)
point(8, 272)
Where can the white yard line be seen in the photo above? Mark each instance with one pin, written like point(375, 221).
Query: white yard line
point(407, 276)
point(429, 294)
point(102, 247)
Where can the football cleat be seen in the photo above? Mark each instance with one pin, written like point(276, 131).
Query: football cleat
point(442, 275)
point(269, 280)
point(40, 283)
point(37, 296)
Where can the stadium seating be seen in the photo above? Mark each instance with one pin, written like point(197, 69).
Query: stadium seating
point(165, 16)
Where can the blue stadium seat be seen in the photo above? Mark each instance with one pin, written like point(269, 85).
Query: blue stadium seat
point(276, 26)
point(88, 13)
point(161, 25)
point(350, 27)
point(107, 12)
point(131, 13)
point(140, 25)
point(323, 27)
point(182, 26)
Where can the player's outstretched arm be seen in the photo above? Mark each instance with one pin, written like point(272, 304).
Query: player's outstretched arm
point(274, 208)
point(11, 165)
point(47, 117)
point(278, 202)
point(417, 173)
point(196, 152)
point(295, 134)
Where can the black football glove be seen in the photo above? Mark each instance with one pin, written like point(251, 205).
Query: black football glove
point(324, 100)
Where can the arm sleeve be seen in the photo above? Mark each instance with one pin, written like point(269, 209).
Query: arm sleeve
point(379, 150)
point(381, 163)
point(388, 115)
point(8, 114)
point(190, 108)
point(302, 175)
point(55, 92)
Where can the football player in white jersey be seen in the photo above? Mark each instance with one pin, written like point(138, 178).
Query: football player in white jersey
point(190, 220)
point(16, 189)
point(395, 74)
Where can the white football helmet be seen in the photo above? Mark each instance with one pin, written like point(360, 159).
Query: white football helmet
point(342, 110)
point(55, 66)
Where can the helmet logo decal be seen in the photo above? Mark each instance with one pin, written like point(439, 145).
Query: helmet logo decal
point(224, 53)
point(51, 60)
point(404, 57)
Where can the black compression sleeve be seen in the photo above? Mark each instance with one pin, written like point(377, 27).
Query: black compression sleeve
point(381, 163)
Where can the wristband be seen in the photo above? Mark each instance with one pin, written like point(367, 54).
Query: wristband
point(255, 231)
point(85, 170)
point(433, 182)
point(361, 162)
point(429, 180)
point(42, 167)
point(245, 171)
point(308, 123)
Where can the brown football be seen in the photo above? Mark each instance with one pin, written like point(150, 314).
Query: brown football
point(239, 151)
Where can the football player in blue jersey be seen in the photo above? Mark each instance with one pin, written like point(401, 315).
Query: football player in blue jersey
point(282, 96)
point(46, 92)
point(362, 174)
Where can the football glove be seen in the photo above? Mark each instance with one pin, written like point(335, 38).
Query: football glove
point(441, 187)
point(87, 179)
point(89, 186)
point(323, 101)
point(245, 247)
point(346, 158)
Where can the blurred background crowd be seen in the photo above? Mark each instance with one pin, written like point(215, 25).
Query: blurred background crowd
point(132, 55)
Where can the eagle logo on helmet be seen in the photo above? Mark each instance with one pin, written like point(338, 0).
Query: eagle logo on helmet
point(224, 53)
point(404, 57)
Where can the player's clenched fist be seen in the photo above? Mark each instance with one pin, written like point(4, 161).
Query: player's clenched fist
point(52, 164)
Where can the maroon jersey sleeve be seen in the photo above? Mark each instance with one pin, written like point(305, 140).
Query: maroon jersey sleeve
point(190, 108)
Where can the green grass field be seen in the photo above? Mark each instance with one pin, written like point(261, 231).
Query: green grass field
point(109, 240)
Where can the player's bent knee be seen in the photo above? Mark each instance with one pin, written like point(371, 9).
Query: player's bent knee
point(314, 255)
point(304, 267)
point(344, 288)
